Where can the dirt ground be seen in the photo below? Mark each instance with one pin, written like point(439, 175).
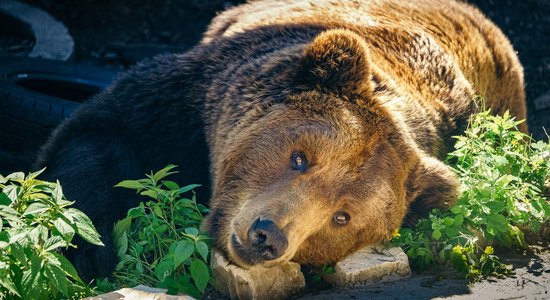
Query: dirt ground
point(531, 280)
point(117, 33)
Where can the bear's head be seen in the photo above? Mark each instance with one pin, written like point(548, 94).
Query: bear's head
point(324, 173)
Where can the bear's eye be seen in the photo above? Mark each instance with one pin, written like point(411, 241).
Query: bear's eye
point(341, 218)
point(298, 161)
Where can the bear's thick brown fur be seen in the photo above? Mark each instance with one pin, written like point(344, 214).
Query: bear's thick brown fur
point(323, 123)
point(371, 92)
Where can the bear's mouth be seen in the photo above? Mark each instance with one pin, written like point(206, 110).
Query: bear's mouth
point(262, 242)
point(246, 255)
point(249, 256)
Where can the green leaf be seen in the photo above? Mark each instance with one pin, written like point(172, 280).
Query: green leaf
point(328, 269)
point(517, 234)
point(203, 209)
point(164, 268)
point(54, 242)
point(11, 215)
point(189, 289)
point(66, 230)
point(500, 160)
point(136, 212)
point(18, 253)
point(459, 260)
point(12, 192)
point(495, 206)
point(448, 221)
point(122, 226)
point(158, 211)
point(202, 249)
point(451, 232)
point(67, 267)
point(192, 231)
point(4, 200)
point(139, 267)
point(131, 184)
point(122, 244)
point(458, 219)
point(183, 250)
point(200, 274)
point(29, 281)
point(150, 193)
point(57, 193)
point(84, 226)
point(436, 235)
point(17, 176)
point(171, 284)
point(38, 234)
point(58, 278)
point(171, 185)
point(188, 188)
point(10, 286)
point(161, 229)
point(33, 175)
point(498, 222)
point(164, 172)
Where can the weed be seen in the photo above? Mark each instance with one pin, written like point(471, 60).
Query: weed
point(159, 243)
point(503, 173)
point(36, 222)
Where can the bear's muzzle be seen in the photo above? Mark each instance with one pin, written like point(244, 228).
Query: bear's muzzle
point(265, 242)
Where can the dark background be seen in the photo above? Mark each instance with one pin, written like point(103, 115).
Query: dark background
point(118, 33)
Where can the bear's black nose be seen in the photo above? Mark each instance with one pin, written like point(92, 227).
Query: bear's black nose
point(266, 237)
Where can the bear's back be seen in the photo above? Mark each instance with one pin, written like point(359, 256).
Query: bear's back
point(478, 47)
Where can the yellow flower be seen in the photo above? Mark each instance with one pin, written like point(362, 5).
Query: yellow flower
point(489, 250)
point(395, 233)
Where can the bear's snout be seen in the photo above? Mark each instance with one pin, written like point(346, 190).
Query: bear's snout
point(264, 242)
point(267, 239)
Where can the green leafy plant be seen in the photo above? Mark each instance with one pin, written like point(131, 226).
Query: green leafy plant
point(36, 222)
point(503, 174)
point(159, 242)
point(322, 271)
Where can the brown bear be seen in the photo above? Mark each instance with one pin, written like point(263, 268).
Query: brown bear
point(321, 146)
point(322, 124)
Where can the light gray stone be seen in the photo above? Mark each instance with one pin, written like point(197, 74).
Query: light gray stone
point(370, 265)
point(257, 282)
point(140, 292)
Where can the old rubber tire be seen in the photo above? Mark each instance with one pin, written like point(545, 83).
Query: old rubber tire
point(35, 96)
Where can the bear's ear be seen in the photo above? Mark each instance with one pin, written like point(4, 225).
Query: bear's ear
point(431, 184)
point(337, 61)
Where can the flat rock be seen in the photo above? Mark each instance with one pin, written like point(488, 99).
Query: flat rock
point(257, 282)
point(369, 265)
point(140, 292)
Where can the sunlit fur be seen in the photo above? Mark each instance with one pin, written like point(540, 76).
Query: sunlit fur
point(372, 99)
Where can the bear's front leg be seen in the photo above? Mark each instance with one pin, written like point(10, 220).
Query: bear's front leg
point(88, 167)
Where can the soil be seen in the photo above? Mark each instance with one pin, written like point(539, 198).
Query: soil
point(116, 34)
point(530, 280)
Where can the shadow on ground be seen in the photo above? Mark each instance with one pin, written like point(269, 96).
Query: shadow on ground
point(531, 280)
